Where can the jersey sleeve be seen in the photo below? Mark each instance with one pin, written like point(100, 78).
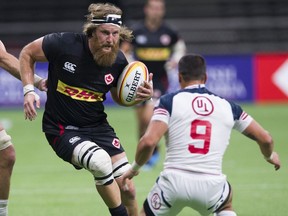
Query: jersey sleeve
point(51, 45)
point(241, 118)
point(163, 109)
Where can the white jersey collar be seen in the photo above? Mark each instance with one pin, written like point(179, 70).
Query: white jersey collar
point(195, 86)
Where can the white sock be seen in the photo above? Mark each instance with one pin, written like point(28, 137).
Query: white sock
point(226, 213)
point(3, 207)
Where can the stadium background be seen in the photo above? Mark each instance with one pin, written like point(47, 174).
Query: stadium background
point(245, 43)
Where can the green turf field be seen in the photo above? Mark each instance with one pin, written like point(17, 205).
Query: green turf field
point(44, 185)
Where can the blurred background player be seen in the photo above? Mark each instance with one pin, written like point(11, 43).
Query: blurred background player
point(197, 125)
point(83, 68)
point(7, 152)
point(159, 47)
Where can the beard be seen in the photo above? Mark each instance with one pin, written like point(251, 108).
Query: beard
point(105, 59)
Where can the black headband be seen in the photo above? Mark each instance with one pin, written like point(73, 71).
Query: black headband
point(110, 19)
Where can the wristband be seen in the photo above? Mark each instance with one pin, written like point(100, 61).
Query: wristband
point(135, 167)
point(28, 88)
point(270, 157)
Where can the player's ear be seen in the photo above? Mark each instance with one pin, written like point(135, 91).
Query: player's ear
point(205, 77)
point(179, 77)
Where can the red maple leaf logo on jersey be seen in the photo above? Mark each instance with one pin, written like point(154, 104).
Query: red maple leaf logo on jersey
point(116, 143)
point(109, 78)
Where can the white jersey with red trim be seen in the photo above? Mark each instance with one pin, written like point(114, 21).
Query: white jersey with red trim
point(199, 128)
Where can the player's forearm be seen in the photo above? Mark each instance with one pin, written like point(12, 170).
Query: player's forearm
point(26, 67)
point(265, 141)
point(266, 146)
point(143, 155)
point(267, 149)
point(156, 129)
point(144, 150)
point(257, 133)
point(11, 64)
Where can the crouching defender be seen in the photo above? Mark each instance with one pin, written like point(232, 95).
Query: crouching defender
point(83, 67)
point(197, 125)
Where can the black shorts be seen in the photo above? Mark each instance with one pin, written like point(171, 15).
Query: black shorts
point(104, 136)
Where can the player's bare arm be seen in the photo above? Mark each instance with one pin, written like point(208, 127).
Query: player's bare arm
point(147, 143)
point(29, 55)
point(156, 129)
point(11, 64)
point(255, 132)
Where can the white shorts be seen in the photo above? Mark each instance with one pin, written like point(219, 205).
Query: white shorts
point(176, 189)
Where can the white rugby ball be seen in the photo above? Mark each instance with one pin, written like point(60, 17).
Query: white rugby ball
point(129, 80)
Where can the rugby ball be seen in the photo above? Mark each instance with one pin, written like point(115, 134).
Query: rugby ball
point(133, 75)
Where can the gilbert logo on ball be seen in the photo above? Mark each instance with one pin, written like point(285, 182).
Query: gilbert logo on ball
point(133, 75)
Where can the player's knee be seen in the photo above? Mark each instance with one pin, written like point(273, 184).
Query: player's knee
point(7, 152)
point(101, 167)
point(97, 161)
point(5, 140)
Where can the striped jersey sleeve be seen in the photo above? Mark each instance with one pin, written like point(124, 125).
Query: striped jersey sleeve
point(163, 108)
point(241, 118)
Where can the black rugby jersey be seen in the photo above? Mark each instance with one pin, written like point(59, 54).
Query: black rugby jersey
point(76, 84)
point(154, 49)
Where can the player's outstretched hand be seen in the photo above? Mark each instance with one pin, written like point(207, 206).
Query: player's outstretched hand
point(29, 109)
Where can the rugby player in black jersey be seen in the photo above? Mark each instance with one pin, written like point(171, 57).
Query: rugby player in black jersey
point(83, 67)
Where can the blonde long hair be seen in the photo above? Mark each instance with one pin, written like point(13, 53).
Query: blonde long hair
point(100, 10)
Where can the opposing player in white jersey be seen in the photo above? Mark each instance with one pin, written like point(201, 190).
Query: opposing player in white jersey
point(197, 125)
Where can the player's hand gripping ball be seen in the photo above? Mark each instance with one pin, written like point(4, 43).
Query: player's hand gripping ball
point(129, 80)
